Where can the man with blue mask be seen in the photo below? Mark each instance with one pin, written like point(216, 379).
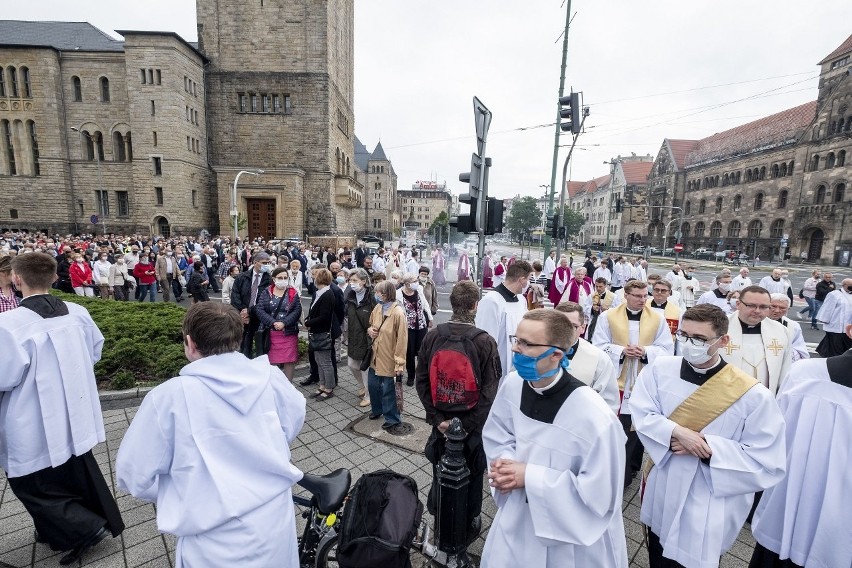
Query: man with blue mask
point(556, 459)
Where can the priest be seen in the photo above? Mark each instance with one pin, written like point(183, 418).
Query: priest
point(660, 303)
point(718, 296)
point(555, 455)
point(463, 272)
point(780, 305)
point(834, 315)
point(487, 271)
point(50, 414)
point(690, 288)
point(501, 309)
point(588, 363)
point(559, 282)
point(578, 289)
point(714, 436)
point(599, 302)
point(758, 345)
point(633, 335)
point(805, 519)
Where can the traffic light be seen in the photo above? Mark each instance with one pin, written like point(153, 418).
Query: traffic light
point(466, 223)
point(561, 233)
point(569, 107)
point(551, 226)
point(494, 221)
point(473, 176)
point(619, 206)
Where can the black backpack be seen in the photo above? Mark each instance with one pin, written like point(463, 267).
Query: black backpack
point(380, 520)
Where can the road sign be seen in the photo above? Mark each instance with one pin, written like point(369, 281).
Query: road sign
point(678, 247)
point(482, 119)
point(94, 219)
point(721, 243)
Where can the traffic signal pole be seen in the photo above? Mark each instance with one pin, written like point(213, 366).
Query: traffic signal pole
point(561, 213)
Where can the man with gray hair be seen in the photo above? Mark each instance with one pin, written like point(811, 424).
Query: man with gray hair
point(719, 295)
point(244, 297)
point(780, 304)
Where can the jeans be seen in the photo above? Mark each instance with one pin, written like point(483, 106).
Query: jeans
point(145, 289)
point(814, 311)
point(383, 398)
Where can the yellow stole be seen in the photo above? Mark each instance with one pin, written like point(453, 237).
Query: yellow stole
point(709, 401)
point(672, 314)
point(649, 322)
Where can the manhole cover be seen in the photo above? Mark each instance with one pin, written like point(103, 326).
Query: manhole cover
point(401, 429)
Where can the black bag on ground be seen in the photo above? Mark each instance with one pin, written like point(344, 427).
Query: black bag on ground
point(380, 520)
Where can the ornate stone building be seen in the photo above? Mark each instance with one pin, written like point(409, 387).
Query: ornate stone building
point(381, 202)
point(423, 203)
point(772, 185)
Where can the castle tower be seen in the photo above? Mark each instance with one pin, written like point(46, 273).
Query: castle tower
point(280, 98)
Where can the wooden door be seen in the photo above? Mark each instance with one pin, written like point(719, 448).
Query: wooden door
point(261, 218)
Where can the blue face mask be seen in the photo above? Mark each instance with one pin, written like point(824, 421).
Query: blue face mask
point(526, 365)
point(378, 298)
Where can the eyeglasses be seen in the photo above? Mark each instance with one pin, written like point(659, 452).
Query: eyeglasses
point(763, 308)
point(661, 290)
point(523, 343)
point(697, 341)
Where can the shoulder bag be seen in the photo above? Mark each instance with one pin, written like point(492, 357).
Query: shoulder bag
point(323, 341)
point(368, 356)
point(263, 337)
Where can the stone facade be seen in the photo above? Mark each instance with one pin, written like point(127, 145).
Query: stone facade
point(381, 201)
point(423, 203)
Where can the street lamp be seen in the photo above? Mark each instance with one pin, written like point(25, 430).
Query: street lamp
point(235, 211)
point(97, 154)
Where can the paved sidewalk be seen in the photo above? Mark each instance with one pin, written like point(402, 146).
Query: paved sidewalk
point(325, 444)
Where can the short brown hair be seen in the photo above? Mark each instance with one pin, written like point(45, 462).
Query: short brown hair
point(568, 307)
point(5, 263)
point(386, 289)
point(464, 296)
point(708, 313)
point(755, 290)
point(215, 328)
point(36, 269)
point(635, 285)
point(558, 327)
point(322, 277)
point(518, 270)
point(663, 282)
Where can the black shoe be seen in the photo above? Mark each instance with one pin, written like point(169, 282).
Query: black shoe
point(410, 382)
point(474, 528)
point(375, 416)
point(82, 549)
point(308, 381)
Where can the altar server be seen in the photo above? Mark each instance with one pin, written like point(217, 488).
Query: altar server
point(718, 296)
point(780, 304)
point(501, 309)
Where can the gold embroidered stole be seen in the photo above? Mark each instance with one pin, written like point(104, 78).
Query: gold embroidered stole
point(708, 402)
point(618, 325)
point(672, 315)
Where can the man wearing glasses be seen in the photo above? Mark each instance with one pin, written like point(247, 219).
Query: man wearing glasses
point(659, 302)
point(633, 335)
point(555, 458)
point(714, 437)
point(758, 345)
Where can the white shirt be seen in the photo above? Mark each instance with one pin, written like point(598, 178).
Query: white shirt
point(738, 283)
point(549, 267)
point(772, 286)
point(500, 319)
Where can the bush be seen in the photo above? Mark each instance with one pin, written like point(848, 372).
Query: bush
point(303, 347)
point(142, 340)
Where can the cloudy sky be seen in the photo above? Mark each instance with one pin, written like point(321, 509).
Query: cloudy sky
point(647, 69)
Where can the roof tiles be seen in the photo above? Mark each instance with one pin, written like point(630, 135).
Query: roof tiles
point(65, 36)
point(845, 47)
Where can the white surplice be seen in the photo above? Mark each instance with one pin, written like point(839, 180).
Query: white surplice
point(49, 405)
point(769, 364)
point(211, 448)
point(500, 319)
point(697, 509)
point(738, 283)
point(807, 517)
point(690, 289)
point(836, 311)
point(712, 298)
point(569, 512)
point(799, 350)
point(594, 368)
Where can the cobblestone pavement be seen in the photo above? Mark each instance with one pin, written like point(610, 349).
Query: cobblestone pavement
point(326, 443)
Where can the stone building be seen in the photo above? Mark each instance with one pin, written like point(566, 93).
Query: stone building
point(423, 203)
point(773, 185)
point(90, 125)
point(591, 199)
point(381, 202)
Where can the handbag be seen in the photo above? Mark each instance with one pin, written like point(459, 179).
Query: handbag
point(263, 337)
point(802, 293)
point(181, 279)
point(322, 341)
point(368, 356)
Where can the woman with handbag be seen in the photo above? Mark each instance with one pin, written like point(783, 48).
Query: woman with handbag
point(279, 309)
point(118, 278)
point(81, 276)
point(319, 323)
point(389, 332)
point(359, 305)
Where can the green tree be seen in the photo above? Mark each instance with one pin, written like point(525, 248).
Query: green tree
point(442, 221)
point(242, 222)
point(524, 218)
point(573, 221)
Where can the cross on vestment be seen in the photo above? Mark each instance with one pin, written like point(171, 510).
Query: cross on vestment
point(775, 346)
point(731, 347)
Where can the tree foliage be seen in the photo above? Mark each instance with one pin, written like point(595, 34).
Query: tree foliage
point(573, 221)
point(524, 218)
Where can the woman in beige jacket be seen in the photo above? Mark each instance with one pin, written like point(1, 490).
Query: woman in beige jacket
point(389, 332)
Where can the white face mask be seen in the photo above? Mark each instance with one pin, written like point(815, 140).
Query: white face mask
point(695, 355)
point(356, 287)
point(282, 283)
point(415, 286)
point(724, 288)
point(733, 302)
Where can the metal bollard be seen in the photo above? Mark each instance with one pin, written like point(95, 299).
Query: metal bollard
point(452, 477)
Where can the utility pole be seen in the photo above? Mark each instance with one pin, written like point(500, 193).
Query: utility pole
point(558, 125)
point(576, 129)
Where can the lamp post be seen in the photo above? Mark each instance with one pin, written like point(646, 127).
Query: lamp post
point(100, 175)
point(544, 217)
point(235, 211)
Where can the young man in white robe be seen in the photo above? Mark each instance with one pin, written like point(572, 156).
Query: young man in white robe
point(556, 456)
point(604, 272)
point(758, 345)
point(633, 335)
point(718, 296)
point(805, 519)
point(714, 436)
point(588, 363)
point(211, 449)
point(690, 288)
point(50, 414)
point(661, 302)
point(834, 315)
point(550, 267)
point(780, 304)
point(500, 311)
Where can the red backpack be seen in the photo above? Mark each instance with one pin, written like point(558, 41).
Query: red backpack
point(454, 370)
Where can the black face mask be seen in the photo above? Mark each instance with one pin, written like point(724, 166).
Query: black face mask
point(849, 289)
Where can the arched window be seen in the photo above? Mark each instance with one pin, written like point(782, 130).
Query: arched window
point(829, 160)
point(790, 168)
point(841, 158)
point(762, 172)
point(758, 202)
point(337, 158)
point(738, 200)
point(716, 229)
point(104, 90)
point(34, 147)
point(25, 81)
point(815, 163)
point(776, 229)
point(77, 88)
point(129, 150)
point(738, 177)
point(2, 82)
point(775, 171)
point(699, 229)
point(718, 205)
point(748, 176)
point(702, 205)
point(820, 195)
point(687, 208)
point(839, 192)
point(716, 181)
point(13, 81)
point(89, 146)
point(754, 229)
point(684, 230)
point(734, 229)
point(725, 180)
point(118, 153)
point(783, 169)
point(782, 199)
point(848, 126)
point(99, 144)
point(6, 132)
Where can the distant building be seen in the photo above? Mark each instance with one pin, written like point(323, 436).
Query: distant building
point(381, 203)
point(424, 202)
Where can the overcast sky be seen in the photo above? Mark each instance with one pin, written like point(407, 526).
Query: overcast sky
point(648, 70)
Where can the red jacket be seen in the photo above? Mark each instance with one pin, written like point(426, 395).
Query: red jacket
point(80, 273)
point(144, 273)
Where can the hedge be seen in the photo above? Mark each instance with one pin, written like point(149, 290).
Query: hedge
point(142, 340)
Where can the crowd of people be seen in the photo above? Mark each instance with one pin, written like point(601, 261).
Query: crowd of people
point(708, 396)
